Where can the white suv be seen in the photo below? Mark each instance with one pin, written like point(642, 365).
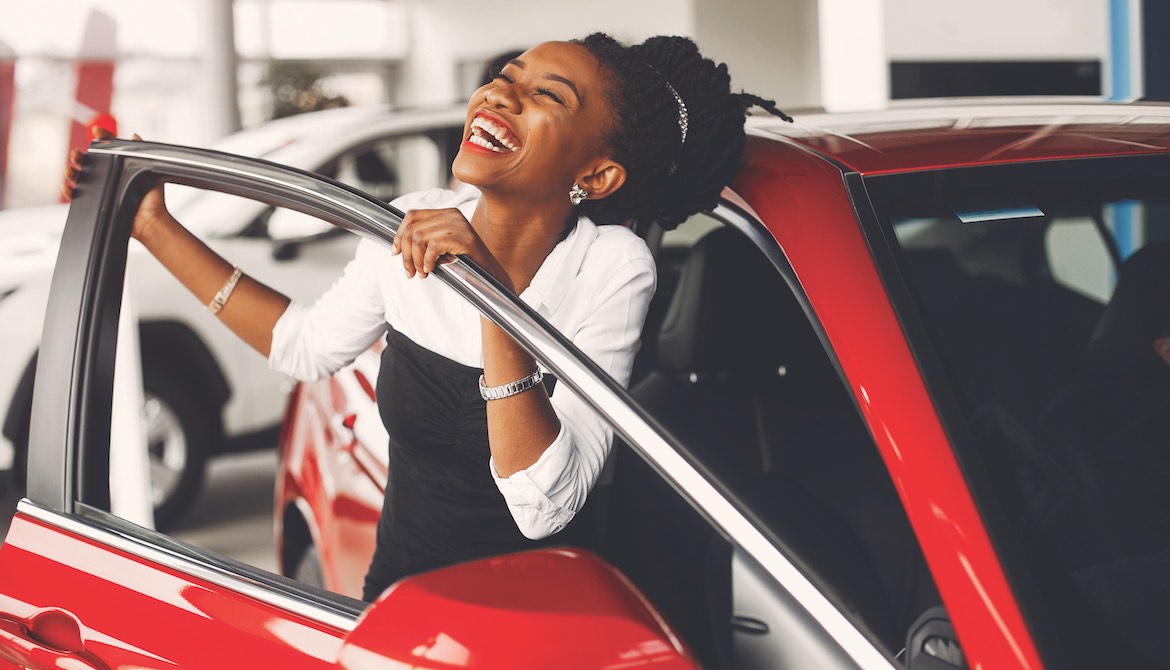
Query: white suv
point(207, 392)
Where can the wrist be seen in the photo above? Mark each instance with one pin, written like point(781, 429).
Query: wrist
point(147, 229)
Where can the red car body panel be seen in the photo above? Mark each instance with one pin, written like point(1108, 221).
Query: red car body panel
point(341, 500)
point(536, 613)
point(960, 137)
point(802, 201)
point(119, 598)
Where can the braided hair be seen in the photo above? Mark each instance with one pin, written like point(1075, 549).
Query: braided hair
point(669, 177)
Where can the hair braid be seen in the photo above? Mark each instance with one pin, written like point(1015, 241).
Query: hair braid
point(669, 179)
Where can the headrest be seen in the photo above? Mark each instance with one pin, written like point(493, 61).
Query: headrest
point(732, 314)
point(1137, 314)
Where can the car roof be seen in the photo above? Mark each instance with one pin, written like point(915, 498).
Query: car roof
point(305, 139)
point(919, 138)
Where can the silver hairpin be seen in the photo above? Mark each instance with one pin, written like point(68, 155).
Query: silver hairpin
point(682, 112)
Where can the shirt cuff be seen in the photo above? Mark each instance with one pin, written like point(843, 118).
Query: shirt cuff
point(283, 336)
point(527, 491)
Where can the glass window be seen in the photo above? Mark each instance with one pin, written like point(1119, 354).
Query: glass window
point(1051, 351)
point(391, 167)
point(733, 368)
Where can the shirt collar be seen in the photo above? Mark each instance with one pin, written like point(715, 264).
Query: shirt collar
point(551, 282)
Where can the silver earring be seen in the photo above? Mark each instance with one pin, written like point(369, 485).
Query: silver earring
point(577, 194)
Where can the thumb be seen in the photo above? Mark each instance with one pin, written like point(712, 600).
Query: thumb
point(137, 137)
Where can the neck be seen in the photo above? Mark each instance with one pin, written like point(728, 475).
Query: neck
point(520, 233)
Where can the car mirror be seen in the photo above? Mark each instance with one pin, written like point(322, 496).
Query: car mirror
point(546, 608)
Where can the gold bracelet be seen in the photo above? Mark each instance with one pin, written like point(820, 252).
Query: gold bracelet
point(221, 298)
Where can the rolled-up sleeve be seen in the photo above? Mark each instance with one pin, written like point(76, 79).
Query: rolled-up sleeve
point(310, 342)
point(544, 497)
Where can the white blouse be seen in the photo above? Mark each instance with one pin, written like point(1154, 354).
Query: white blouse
point(595, 287)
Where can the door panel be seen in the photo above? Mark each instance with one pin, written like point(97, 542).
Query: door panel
point(138, 612)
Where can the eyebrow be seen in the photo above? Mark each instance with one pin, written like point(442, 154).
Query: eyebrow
point(550, 75)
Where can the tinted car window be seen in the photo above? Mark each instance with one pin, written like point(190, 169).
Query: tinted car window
point(734, 369)
point(1047, 347)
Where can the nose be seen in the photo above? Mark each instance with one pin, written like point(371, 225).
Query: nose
point(502, 95)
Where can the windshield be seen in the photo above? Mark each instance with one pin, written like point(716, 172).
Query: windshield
point(1044, 292)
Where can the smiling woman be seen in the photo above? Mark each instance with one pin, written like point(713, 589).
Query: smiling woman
point(566, 140)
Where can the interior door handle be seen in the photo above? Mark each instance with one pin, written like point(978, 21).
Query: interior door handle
point(47, 640)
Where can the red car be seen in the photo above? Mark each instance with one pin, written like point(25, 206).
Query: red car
point(901, 402)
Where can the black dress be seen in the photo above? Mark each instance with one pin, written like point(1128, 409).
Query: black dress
point(442, 505)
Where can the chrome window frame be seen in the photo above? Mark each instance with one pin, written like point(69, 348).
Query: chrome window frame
point(131, 164)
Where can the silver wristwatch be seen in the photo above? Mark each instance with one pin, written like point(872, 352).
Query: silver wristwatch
point(511, 388)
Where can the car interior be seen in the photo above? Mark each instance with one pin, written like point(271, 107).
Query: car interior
point(731, 366)
point(1060, 399)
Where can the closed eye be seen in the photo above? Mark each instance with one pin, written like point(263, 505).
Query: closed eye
point(497, 72)
point(556, 98)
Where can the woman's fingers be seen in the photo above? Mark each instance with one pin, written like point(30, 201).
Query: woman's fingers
point(427, 237)
point(73, 164)
point(431, 259)
point(72, 170)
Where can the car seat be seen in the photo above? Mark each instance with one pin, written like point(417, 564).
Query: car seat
point(743, 381)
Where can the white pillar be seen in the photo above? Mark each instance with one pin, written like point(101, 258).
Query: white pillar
point(428, 75)
point(771, 48)
point(218, 63)
point(854, 70)
point(130, 493)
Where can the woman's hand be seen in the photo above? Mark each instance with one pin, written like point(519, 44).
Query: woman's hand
point(428, 237)
point(150, 209)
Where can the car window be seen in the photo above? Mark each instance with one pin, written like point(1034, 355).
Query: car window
point(1079, 256)
point(385, 168)
point(1049, 350)
point(734, 369)
point(391, 167)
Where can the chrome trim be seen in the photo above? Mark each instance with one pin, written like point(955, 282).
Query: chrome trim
point(316, 189)
point(558, 355)
point(187, 565)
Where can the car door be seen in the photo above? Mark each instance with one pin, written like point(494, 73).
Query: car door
point(81, 587)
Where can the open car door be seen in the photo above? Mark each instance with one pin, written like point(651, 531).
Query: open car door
point(82, 588)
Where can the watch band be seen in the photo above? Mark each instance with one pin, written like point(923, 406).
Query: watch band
point(511, 388)
point(221, 298)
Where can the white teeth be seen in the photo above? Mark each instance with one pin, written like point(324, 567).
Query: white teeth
point(489, 126)
point(476, 139)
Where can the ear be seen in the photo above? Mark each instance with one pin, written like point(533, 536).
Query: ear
point(1162, 347)
point(603, 179)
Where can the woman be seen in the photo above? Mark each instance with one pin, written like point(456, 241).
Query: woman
point(567, 138)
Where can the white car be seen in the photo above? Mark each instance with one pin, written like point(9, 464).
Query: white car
point(206, 391)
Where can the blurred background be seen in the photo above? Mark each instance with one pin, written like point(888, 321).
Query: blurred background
point(192, 71)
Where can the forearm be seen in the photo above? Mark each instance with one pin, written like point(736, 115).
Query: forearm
point(253, 308)
point(522, 426)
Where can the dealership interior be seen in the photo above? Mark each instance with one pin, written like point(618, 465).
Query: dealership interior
point(992, 176)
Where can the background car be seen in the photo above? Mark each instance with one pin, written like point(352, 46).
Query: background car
point(206, 391)
point(871, 346)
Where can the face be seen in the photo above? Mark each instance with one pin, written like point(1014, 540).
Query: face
point(538, 125)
